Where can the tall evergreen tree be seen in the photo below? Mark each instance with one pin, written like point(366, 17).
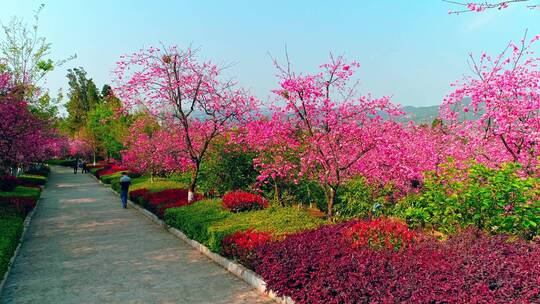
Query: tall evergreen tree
point(83, 97)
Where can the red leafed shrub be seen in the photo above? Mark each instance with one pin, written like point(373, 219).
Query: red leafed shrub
point(238, 201)
point(8, 183)
point(242, 245)
point(320, 266)
point(139, 196)
point(158, 202)
point(21, 205)
point(380, 234)
point(160, 211)
point(109, 169)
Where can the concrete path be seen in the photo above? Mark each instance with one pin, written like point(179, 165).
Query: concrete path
point(82, 247)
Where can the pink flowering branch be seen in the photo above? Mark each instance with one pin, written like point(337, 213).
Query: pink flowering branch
point(477, 7)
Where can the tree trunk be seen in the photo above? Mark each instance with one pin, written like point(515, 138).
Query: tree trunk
point(330, 200)
point(278, 194)
point(193, 183)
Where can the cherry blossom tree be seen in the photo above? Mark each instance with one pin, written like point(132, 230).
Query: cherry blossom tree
point(334, 128)
point(504, 97)
point(184, 93)
point(24, 137)
point(274, 141)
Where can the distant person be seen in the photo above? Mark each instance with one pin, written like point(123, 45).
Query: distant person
point(84, 166)
point(75, 166)
point(125, 182)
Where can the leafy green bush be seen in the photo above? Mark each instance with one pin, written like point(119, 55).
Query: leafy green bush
point(357, 199)
point(11, 228)
point(495, 200)
point(227, 169)
point(30, 179)
point(207, 222)
point(39, 169)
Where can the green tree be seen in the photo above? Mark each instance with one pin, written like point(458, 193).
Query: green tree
point(107, 129)
point(25, 55)
point(83, 97)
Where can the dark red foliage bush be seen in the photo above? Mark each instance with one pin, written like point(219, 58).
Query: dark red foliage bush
point(381, 234)
point(8, 183)
point(109, 169)
point(238, 201)
point(242, 245)
point(20, 205)
point(139, 196)
point(158, 202)
point(321, 266)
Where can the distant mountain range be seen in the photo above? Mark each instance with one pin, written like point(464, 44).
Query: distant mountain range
point(420, 114)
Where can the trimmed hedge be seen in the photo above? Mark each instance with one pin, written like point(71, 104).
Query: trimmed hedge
point(61, 162)
point(22, 191)
point(208, 223)
point(11, 227)
point(31, 179)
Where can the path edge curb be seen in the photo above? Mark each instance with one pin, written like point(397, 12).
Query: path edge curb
point(246, 275)
point(26, 225)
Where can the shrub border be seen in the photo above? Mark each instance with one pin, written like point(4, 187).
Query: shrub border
point(246, 275)
point(26, 225)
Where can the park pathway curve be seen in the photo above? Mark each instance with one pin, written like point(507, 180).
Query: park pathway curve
point(82, 247)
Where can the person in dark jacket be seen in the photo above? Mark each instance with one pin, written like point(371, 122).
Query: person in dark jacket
point(75, 166)
point(125, 182)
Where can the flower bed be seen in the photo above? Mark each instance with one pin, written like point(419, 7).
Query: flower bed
point(242, 246)
point(321, 266)
point(209, 223)
point(21, 205)
point(238, 201)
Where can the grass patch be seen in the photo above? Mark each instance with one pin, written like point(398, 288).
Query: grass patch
point(11, 227)
point(208, 223)
point(22, 191)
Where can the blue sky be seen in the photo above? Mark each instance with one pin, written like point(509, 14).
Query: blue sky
point(410, 50)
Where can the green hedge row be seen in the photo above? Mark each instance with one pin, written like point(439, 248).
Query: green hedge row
point(22, 191)
point(61, 162)
point(208, 223)
point(33, 179)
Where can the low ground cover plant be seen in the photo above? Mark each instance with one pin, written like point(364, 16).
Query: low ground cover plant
point(238, 201)
point(321, 266)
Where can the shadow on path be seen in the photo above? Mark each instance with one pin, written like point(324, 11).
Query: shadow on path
point(82, 247)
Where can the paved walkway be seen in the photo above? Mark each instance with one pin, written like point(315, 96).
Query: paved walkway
point(81, 247)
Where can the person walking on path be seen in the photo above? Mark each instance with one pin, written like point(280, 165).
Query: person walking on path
point(125, 182)
point(84, 166)
point(76, 165)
